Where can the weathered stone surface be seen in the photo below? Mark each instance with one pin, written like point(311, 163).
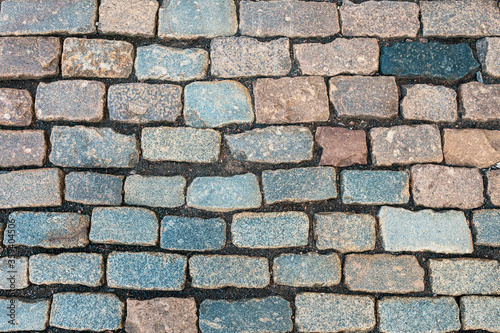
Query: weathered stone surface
point(274, 144)
point(493, 177)
point(459, 276)
point(405, 145)
point(91, 188)
point(23, 148)
point(86, 311)
point(96, 58)
point(480, 313)
point(29, 57)
point(146, 270)
point(270, 230)
point(439, 186)
point(219, 271)
point(486, 224)
point(379, 99)
point(190, 19)
point(180, 144)
point(224, 194)
point(344, 232)
point(76, 100)
point(47, 17)
point(128, 17)
point(479, 102)
point(487, 52)
point(67, 268)
point(471, 147)
point(299, 184)
point(158, 62)
point(30, 315)
point(124, 225)
point(162, 314)
point(291, 100)
point(383, 273)
point(192, 234)
point(307, 270)
point(431, 103)
point(13, 273)
point(155, 191)
point(374, 187)
point(271, 314)
point(217, 104)
point(248, 57)
point(48, 230)
point(16, 107)
point(431, 60)
point(31, 188)
point(384, 19)
point(92, 147)
point(290, 19)
point(425, 230)
point(341, 146)
point(334, 312)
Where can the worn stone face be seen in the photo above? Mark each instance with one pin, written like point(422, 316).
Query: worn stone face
point(480, 313)
point(471, 147)
point(487, 227)
point(96, 58)
point(16, 107)
point(32, 315)
point(13, 273)
point(192, 234)
point(22, 148)
point(493, 177)
point(479, 102)
point(128, 17)
point(487, 51)
point(155, 191)
point(431, 103)
point(91, 188)
point(341, 146)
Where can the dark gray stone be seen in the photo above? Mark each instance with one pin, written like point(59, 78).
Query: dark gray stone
point(192, 234)
point(155, 191)
point(480, 313)
point(91, 188)
point(30, 315)
point(486, 224)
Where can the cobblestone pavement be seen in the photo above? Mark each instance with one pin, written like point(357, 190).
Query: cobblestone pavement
point(227, 166)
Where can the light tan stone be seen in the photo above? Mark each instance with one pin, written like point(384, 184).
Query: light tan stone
point(488, 51)
point(431, 103)
point(22, 148)
point(128, 17)
point(471, 147)
point(493, 177)
point(480, 102)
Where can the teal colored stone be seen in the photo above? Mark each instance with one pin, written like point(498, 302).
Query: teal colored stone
point(487, 226)
point(374, 187)
point(27, 315)
point(155, 191)
point(434, 60)
point(480, 313)
point(271, 315)
point(91, 188)
point(192, 234)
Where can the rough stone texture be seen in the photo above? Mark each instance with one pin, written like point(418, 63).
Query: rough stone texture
point(418, 315)
point(384, 19)
point(67, 268)
point(487, 52)
point(162, 314)
point(425, 230)
point(77, 100)
point(493, 177)
point(480, 313)
point(459, 276)
point(30, 315)
point(146, 270)
point(124, 225)
point(13, 273)
point(192, 234)
point(486, 224)
point(31, 188)
point(29, 57)
point(219, 271)
point(430, 103)
point(383, 273)
point(190, 19)
point(91, 188)
point(379, 99)
point(471, 147)
point(299, 185)
point(128, 17)
point(217, 104)
point(16, 107)
point(23, 148)
point(479, 102)
point(341, 146)
point(270, 230)
point(307, 270)
point(317, 312)
point(290, 19)
point(344, 232)
point(48, 230)
point(224, 194)
point(273, 144)
point(374, 187)
point(233, 57)
point(271, 314)
point(439, 186)
point(180, 144)
point(155, 191)
point(92, 147)
point(96, 58)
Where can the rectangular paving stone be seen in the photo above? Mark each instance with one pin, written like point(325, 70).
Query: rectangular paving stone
point(22, 148)
point(146, 270)
point(67, 268)
point(155, 191)
point(192, 234)
point(234, 57)
point(430, 103)
point(480, 313)
point(270, 314)
point(180, 144)
point(128, 17)
point(13, 273)
point(291, 19)
point(486, 224)
point(92, 188)
point(16, 107)
point(321, 312)
point(341, 146)
point(270, 230)
point(493, 177)
point(219, 271)
point(471, 147)
point(27, 315)
point(487, 52)
point(479, 102)
point(425, 230)
point(299, 184)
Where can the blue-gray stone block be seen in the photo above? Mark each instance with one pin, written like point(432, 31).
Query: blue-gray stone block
point(155, 191)
point(192, 234)
point(91, 188)
point(25, 315)
point(13, 273)
point(486, 224)
point(480, 313)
